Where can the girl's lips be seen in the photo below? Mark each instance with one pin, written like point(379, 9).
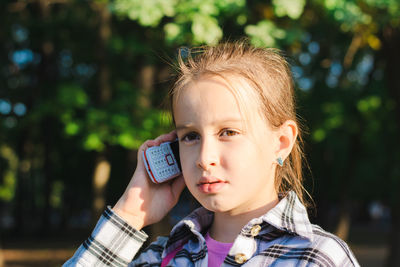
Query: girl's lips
point(210, 185)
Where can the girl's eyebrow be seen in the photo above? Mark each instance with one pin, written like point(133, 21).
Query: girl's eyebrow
point(217, 122)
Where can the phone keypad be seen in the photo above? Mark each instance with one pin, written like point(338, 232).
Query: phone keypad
point(163, 163)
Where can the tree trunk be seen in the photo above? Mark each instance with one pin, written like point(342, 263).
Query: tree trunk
point(394, 252)
point(23, 199)
point(100, 180)
point(343, 226)
point(47, 72)
point(391, 53)
point(1, 258)
point(147, 75)
point(102, 167)
point(48, 174)
point(345, 209)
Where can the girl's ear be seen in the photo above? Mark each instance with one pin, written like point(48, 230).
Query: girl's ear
point(287, 135)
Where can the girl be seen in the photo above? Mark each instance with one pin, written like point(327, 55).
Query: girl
point(239, 141)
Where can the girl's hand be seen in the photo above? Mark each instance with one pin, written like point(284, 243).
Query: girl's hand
point(143, 202)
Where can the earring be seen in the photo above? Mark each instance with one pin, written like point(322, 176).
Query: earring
point(280, 161)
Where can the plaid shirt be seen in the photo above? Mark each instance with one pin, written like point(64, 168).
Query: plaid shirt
point(282, 237)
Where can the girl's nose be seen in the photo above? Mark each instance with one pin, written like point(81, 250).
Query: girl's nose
point(207, 156)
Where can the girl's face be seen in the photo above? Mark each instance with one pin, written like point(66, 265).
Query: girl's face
point(228, 164)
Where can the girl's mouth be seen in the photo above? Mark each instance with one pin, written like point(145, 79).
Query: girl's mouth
point(210, 185)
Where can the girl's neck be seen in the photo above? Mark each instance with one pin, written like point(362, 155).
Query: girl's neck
point(226, 226)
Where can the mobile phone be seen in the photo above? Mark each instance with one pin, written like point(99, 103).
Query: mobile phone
point(162, 162)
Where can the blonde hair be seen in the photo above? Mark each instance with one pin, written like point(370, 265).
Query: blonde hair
point(267, 72)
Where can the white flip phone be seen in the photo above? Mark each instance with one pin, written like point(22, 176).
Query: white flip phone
point(162, 162)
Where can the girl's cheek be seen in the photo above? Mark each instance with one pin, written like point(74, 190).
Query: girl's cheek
point(186, 159)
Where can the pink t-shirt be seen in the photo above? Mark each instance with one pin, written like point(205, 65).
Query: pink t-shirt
point(170, 256)
point(217, 251)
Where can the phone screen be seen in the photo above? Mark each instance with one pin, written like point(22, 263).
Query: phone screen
point(175, 150)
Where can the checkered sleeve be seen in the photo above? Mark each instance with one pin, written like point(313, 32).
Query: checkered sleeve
point(113, 242)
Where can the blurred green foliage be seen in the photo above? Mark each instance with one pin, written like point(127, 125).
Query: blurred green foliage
point(7, 188)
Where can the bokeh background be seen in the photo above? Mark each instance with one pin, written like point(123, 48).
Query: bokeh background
point(83, 84)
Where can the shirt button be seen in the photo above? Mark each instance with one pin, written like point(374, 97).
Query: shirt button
point(240, 258)
point(255, 230)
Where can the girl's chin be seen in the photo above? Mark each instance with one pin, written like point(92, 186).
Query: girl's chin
point(216, 210)
point(215, 207)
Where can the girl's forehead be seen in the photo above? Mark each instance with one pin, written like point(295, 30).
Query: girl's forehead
point(196, 87)
point(231, 93)
point(211, 92)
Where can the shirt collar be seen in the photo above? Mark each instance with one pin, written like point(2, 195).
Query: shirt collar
point(289, 215)
point(196, 223)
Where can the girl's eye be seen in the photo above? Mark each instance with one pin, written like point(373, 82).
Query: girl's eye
point(190, 137)
point(228, 132)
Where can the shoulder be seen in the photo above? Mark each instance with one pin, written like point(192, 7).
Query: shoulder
point(153, 253)
point(158, 245)
point(332, 247)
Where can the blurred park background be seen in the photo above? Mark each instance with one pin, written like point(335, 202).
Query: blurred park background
point(83, 84)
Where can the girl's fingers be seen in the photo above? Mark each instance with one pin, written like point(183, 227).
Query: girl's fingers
point(144, 146)
point(171, 136)
point(147, 144)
